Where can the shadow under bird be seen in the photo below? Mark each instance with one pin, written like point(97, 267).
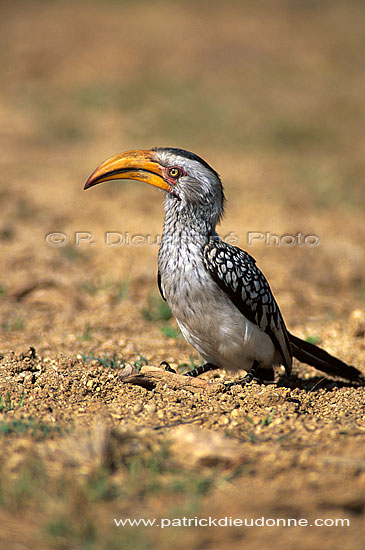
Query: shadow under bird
point(222, 302)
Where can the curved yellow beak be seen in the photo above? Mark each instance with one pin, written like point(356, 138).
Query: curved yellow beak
point(131, 165)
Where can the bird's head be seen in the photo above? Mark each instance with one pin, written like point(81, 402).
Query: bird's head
point(190, 183)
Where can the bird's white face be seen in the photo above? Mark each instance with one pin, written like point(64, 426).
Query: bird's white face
point(191, 178)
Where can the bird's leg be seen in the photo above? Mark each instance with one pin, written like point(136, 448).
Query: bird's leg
point(167, 367)
point(200, 370)
point(265, 375)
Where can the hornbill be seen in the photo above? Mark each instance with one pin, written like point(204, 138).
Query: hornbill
point(222, 302)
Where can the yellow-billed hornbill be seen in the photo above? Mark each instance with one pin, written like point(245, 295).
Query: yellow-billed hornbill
point(221, 300)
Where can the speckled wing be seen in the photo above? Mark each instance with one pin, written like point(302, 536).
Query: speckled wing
point(236, 273)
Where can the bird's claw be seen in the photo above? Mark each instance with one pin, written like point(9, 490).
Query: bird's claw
point(241, 382)
point(167, 367)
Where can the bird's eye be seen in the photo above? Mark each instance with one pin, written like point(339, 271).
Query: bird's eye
point(174, 172)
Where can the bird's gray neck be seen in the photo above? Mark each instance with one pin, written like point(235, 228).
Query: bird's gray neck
point(186, 231)
point(186, 223)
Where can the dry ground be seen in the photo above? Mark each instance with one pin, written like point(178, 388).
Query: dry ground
point(272, 95)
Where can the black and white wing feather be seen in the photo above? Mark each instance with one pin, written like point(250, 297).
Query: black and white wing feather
point(160, 285)
point(236, 273)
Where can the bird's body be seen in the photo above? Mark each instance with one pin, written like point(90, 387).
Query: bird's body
point(221, 300)
point(205, 313)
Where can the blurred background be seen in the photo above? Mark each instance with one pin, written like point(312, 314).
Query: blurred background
point(270, 93)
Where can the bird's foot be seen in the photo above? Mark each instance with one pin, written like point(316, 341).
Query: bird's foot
point(200, 370)
point(246, 379)
point(193, 372)
point(240, 382)
point(167, 367)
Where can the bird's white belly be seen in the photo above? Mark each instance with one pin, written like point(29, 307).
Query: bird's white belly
point(216, 328)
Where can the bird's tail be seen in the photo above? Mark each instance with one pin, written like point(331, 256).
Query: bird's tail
point(317, 357)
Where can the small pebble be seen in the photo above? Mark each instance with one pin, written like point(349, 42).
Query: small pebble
point(151, 408)
point(137, 408)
